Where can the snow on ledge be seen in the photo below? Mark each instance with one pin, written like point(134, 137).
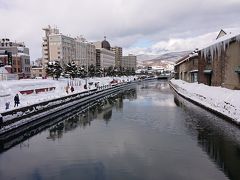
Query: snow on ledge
point(220, 99)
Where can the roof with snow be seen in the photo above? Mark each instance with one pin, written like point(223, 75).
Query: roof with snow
point(188, 57)
point(222, 42)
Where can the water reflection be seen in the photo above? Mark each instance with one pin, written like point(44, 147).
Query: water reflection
point(218, 138)
point(101, 110)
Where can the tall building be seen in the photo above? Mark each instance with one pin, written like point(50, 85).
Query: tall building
point(18, 57)
point(65, 49)
point(85, 52)
point(104, 56)
point(118, 56)
point(129, 62)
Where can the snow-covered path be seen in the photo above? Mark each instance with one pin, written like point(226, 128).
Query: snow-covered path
point(222, 100)
point(8, 89)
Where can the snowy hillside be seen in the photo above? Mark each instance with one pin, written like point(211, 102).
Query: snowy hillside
point(165, 61)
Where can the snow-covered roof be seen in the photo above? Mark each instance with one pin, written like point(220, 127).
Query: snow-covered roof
point(22, 54)
point(215, 46)
point(189, 56)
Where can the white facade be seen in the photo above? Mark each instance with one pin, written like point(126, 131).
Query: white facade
point(85, 53)
point(66, 49)
point(129, 61)
point(107, 58)
point(118, 55)
point(61, 48)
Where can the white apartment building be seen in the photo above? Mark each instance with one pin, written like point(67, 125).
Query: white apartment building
point(85, 52)
point(104, 57)
point(129, 61)
point(107, 58)
point(61, 48)
point(118, 55)
point(65, 49)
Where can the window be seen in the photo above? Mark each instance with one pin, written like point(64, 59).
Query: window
point(209, 58)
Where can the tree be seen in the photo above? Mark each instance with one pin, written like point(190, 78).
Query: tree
point(82, 72)
point(99, 72)
point(133, 72)
point(54, 69)
point(91, 70)
point(71, 70)
point(110, 71)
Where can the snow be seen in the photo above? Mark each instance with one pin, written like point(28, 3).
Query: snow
point(222, 100)
point(8, 89)
point(215, 47)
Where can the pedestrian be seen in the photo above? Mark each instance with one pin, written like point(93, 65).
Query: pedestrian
point(7, 104)
point(16, 100)
point(1, 121)
point(66, 88)
point(72, 88)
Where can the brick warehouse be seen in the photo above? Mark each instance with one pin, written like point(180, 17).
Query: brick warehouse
point(219, 63)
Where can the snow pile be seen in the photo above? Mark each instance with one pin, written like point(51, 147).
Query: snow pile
point(220, 99)
point(8, 89)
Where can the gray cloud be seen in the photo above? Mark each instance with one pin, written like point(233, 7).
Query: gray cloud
point(166, 24)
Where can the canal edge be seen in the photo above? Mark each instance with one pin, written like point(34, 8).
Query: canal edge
point(217, 113)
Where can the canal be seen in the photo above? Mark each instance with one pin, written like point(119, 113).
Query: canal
point(144, 133)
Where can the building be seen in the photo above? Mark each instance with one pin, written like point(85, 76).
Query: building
point(38, 72)
point(85, 52)
point(129, 62)
point(104, 56)
point(187, 67)
point(61, 48)
point(18, 57)
point(65, 49)
point(219, 63)
point(118, 56)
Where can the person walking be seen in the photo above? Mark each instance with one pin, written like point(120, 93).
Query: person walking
point(7, 105)
point(16, 100)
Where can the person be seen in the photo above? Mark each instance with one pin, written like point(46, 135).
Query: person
point(1, 121)
point(7, 104)
point(66, 88)
point(16, 100)
point(72, 88)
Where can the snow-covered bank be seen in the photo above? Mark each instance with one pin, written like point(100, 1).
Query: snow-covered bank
point(8, 89)
point(221, 100)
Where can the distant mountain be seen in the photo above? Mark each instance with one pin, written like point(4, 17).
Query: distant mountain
point(143, 57)
point(166, 61)
point(151, 60)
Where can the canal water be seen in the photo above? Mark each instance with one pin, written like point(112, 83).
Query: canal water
point(144, 133)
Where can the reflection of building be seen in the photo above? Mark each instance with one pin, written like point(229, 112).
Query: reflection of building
point(104, 56)
point(129, 62)
point(118, 56)
point(19, 60)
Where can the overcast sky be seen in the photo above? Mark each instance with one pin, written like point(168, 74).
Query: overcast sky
point(139, 26)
